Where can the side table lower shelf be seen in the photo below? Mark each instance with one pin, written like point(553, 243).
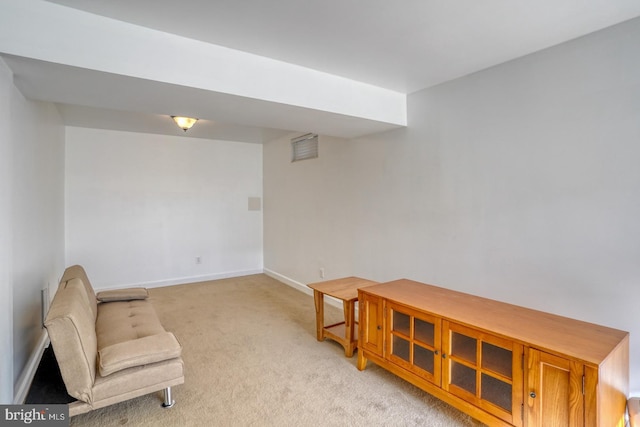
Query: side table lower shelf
point(341, 334)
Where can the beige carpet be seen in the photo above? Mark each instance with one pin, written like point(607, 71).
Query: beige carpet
point(252, 359)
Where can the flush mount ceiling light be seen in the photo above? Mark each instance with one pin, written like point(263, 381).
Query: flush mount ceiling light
point(184, 123)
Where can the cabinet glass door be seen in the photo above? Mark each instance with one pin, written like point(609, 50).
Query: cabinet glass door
point(414, 341)
point(463, 356)
point(496, 378)
point(483, 369)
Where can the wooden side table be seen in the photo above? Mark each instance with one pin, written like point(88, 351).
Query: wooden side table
point(346, 290)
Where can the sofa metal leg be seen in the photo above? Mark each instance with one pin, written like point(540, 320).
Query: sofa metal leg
point(168, 401)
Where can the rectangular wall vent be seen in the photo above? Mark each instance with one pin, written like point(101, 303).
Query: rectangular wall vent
point(304, 147)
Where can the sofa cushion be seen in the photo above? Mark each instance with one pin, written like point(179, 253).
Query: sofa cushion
point(124, 321)
point(71, 328)
point(129, 294)
point(142, 351)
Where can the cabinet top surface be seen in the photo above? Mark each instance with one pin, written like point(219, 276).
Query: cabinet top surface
point(585, 341)
point(345, 288)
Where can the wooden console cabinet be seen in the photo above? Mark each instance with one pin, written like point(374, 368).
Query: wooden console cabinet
point(502, 364)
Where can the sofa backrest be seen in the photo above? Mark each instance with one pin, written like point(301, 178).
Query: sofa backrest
point(77, 272)
point(71, 327)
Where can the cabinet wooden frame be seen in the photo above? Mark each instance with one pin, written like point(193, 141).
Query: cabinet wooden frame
point(585, 366)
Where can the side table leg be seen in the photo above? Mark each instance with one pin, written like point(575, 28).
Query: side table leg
point(318, 299)
point(349, 310)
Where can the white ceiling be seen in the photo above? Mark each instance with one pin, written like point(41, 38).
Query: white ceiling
point(403, 45)
point(400, 46)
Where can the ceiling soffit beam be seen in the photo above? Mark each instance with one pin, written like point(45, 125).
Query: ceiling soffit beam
point(46, 81)
point(49, 32)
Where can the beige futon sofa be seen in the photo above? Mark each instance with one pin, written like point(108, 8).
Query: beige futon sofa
point(110, 347)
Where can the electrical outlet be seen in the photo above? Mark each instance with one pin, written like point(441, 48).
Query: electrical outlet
point(322, 273)
point(198, 260)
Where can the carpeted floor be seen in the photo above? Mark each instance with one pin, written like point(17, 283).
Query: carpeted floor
point(252, 359)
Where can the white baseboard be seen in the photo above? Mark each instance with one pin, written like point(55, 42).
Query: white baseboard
point(21, 388)
point(183, 280)
point(303, 288)
point(287, 281)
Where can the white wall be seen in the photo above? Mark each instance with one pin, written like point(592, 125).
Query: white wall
point(519, 183)
point(309, 215)
point(140, 208)
point(6, 290)
point(31, 225)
